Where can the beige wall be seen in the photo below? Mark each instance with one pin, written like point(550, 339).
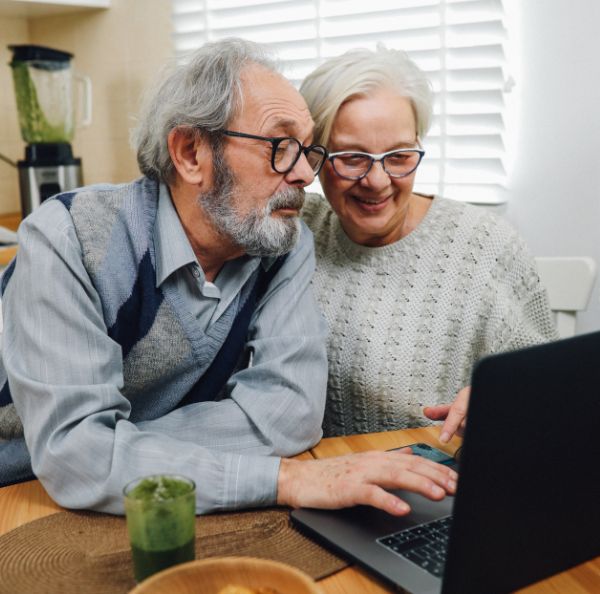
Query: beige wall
point(12, 31)
point(120, 49)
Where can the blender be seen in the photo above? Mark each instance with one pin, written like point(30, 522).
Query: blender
point(43, 82)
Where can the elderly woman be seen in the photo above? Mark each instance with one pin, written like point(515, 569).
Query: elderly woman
point(415, 288)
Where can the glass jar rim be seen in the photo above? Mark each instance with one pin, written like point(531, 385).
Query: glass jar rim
point(135, 482)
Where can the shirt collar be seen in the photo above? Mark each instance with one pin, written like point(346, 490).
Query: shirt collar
point(172, 247)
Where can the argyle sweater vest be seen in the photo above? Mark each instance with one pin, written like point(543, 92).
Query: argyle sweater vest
point(167, 361)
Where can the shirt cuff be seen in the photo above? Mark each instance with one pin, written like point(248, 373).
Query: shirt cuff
point(251, 481)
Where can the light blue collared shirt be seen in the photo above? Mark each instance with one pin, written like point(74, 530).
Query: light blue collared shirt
point(66, 373)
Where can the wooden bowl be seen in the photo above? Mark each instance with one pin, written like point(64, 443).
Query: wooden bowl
point(209, 576)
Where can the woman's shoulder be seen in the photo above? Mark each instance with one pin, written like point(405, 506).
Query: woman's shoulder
point(476, 236)
point(478, 218)
point(316, 212)
point(498, 247)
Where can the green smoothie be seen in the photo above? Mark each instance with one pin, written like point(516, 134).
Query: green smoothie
point(32, 120)
point(161, 521)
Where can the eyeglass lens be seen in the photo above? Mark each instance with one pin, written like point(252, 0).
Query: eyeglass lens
point(287, 152)
point(357, 165)
point(316, 157)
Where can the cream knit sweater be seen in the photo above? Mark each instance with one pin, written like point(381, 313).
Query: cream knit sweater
point(409, 320)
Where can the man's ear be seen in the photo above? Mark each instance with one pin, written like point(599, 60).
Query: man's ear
point(191, 155)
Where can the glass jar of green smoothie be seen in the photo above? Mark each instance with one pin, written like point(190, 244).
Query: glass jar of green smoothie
point(45, 86)
point(161, 521)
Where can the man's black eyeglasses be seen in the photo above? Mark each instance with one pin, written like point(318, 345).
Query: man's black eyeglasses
point(285, 151)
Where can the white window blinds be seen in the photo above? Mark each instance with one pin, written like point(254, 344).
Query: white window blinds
point(461, 44)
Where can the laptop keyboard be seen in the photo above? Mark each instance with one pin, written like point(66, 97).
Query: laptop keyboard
point(424, 545)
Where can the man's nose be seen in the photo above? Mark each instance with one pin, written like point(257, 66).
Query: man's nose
point(301, 174)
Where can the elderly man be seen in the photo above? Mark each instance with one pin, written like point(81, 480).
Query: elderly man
point(168, 325)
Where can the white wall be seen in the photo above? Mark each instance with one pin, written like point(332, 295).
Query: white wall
point(555, 182)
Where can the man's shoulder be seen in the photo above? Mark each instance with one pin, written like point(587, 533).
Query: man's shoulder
point(91, 199)
point(110, 226)
point(137, 192)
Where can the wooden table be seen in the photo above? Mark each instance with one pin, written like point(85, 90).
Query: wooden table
point(25, 502)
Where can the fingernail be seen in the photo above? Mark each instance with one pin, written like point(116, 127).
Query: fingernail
point(451, 485)
point(402, 507)
point(437, 491)
point(445, 437)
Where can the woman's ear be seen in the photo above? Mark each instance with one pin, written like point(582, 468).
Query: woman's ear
point(191, 155)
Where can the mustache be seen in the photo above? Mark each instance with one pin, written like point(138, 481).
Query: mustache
point(288, 198)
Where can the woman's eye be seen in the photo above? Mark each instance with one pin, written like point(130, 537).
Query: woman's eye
point(396, 158)
point(354, 160)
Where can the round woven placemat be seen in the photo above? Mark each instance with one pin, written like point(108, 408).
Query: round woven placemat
point(88, 553)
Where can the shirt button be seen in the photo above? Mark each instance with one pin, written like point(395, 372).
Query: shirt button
point(195, 271)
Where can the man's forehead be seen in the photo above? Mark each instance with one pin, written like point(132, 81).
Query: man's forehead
point(278, 121)
point(271, 102)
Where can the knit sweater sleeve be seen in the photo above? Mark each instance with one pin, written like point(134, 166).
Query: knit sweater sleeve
point(518, 313)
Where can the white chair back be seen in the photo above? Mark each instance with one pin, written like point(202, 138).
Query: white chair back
point(569, 283)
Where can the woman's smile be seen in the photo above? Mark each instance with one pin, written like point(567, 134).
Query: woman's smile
point(370, 204)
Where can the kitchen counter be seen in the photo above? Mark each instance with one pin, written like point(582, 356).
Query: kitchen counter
point(10, 221)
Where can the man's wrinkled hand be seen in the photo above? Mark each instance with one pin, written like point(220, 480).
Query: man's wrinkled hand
point(362, 479)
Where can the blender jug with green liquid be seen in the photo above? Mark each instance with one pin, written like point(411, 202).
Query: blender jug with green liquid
point(44, 88)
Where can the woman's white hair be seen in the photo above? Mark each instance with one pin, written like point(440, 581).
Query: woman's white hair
point(202, 94)
point(358, 72)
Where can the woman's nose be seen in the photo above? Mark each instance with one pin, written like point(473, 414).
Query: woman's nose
point(377, 178)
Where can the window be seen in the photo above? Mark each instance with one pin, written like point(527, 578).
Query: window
point(460, 44)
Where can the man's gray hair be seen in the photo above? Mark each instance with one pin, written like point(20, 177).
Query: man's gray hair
point(202, 94)
point(359, 72)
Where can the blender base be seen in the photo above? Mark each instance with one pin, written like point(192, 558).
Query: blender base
point(48, 169)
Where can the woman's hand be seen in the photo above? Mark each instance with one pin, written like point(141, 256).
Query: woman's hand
point(454, 415)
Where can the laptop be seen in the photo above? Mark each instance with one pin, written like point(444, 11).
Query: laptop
point(528, 498)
